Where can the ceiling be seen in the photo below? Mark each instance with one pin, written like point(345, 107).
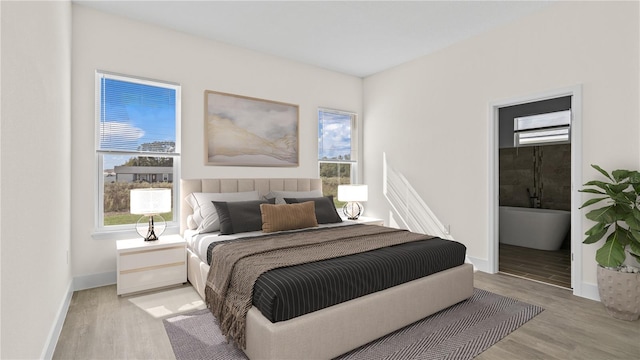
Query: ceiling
point(359, 38)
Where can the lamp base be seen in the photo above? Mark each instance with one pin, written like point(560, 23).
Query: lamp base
point(148, 229)
point(352, 210)
point(151, 235)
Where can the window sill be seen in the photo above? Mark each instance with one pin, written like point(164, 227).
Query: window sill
point(121, 234)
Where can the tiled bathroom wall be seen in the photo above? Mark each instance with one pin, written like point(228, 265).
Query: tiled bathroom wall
point(553, 178)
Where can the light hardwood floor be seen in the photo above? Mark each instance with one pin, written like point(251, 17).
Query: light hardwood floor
point(101, 325)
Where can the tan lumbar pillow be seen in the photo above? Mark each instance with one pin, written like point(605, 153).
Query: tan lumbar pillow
point(288, 216)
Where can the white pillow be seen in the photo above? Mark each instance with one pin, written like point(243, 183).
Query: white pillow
point(280, 195)
point(205, 215)
point(191, 224)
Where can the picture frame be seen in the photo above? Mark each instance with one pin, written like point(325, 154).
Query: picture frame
point(245, 131)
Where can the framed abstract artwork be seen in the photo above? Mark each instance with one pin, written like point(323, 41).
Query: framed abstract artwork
point(245, 131)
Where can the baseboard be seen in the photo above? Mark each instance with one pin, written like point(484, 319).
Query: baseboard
point(77, 283)
point(589, 291)
point(94, 280)
point(480, 264)
point(54, 334)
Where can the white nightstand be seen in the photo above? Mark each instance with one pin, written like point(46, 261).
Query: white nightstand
point(367, 220)
point(144, 265)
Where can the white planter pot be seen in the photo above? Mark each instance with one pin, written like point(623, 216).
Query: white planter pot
point(619, 293)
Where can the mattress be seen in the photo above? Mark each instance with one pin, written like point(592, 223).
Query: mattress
point(285, 293)
point(199, 243)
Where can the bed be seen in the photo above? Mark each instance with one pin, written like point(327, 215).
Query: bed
point(335, 330)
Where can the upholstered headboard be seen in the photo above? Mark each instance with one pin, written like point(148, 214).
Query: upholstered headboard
point(263, 186)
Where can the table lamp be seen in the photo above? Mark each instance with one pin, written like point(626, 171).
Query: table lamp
point(353, 194)
point(149, 203)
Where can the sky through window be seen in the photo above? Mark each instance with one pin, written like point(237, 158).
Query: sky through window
point(334, 136)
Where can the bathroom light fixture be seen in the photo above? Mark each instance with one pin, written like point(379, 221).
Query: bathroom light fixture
point(149, 203)
point(353, 194)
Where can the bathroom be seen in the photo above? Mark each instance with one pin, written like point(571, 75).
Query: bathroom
point(535, 191)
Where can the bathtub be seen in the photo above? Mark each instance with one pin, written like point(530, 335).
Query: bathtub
point(542, 229)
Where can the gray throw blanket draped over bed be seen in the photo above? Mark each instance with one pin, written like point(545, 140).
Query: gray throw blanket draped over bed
point(235, 266)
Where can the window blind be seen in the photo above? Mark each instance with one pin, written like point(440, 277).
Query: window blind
point(136, 117)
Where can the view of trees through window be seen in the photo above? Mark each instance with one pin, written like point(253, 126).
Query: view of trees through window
point(332, 175)
point(135, 173)
point(116, 202)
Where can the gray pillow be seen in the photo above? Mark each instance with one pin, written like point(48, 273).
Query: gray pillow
point(325, 209)
point(280, 195)
point(205, 217)
point(240, 216)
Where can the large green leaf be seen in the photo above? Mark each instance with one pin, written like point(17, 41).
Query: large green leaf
point(622, 211)
point(601, 184)
point(595, 233)
point(621, 199)
point(623, 236)
point(618, 188)
point(630, 196)
point(632, 221)
point(592, 201)
point(605, 215)
point(592, 191)
point(596, 229)
point(634, 245)
point(611, 254)
point(601, 171)
point(619, 175)
point(634, 177)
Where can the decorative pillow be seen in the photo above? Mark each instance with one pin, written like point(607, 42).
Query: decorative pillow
point(325, 209)
point(282, 217)
point(204, 213)
point(280, 195)
point(239, 216)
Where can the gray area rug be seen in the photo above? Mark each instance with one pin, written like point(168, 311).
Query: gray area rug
point(460, 332)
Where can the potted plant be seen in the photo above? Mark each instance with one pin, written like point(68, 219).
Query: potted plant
point(619, 220)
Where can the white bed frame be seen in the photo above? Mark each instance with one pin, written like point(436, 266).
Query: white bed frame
point(333, 331)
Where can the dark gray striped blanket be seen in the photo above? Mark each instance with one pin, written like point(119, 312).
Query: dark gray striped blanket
point(284, 293)
point(236, 266)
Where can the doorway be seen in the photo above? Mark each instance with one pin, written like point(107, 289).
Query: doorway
point(572, 96)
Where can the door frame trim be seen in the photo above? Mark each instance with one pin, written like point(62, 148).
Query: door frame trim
point(576, 176)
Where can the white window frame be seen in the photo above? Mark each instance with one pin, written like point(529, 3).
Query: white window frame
point(355, 145)
point(128, 230)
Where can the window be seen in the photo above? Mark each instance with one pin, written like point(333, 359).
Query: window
point(337, 150)
point(548, 128)
point(137, 144)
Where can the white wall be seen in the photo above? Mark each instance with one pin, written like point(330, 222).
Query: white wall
point(111, 43)
point(430, 115)
point(0, 182)
point(35, 150)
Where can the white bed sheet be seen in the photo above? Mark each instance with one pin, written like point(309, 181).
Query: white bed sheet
point(199, 243)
